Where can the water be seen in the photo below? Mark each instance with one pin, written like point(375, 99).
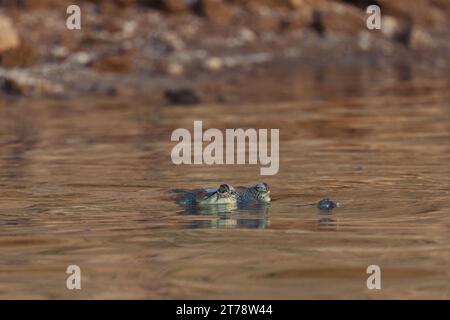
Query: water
point(86, 182)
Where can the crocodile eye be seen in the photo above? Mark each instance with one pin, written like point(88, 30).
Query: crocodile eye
point(262, 186)
point(224, 188)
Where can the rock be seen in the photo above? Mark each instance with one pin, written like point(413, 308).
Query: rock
point(290, 4)
point(403, 35)
point(246, 35)
point(82, 58)
point(365, 40)
point(21, 83)
point(129, 29)
point(59, 52)
point(216, 11)
point(184, 96)
point(299, 19)
point(317, 23)
point(23, 55)
point(425, 13)
point(169, 6)
point(175, 69)
point(173, 41)
point(420, 39)
point(177, 6)
point(296, 3)
point(264, 19)
point(166, 42)
point(121, 62)
point(9, 38)
point(35, 4)
point(10, 86)
point(214, 63)
point(343, 18)
point(389, 26)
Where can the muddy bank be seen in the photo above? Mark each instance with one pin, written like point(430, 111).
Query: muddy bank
point(144, 46)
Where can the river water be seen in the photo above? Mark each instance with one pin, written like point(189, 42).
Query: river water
point(87, 181)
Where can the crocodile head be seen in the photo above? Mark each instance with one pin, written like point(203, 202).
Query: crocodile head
point(225, 194)
point(262, 192)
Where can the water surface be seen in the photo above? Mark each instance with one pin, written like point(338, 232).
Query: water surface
point(86, 182)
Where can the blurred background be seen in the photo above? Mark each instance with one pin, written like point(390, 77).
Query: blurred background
point(128, 46)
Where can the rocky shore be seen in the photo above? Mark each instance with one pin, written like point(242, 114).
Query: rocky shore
point(155, 47)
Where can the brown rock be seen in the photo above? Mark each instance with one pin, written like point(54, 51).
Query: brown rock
point(37, 4)
point(270, 3)
point(426, 13)
point(175, 69)
point(214, 63)
point(10, 86)
point(343, 18)
point(389, 26)
point(114, 62)
point(22, 56)
point(216, 11)
point(177, 6)
point(420, 39)
point(171, 6)
point(262, 18)
point(18, 82)
point(9, 39)
point(298, 19)
point(182, 96)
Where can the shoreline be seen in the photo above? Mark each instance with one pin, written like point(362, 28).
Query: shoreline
point(160, 49)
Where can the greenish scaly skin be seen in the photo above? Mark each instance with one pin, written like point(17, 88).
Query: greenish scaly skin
point(224, 195)
point(228, 196)
point(257, 194)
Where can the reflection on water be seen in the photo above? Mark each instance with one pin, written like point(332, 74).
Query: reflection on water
point(226, 216)
point(229, 221)
point(328, 222)
point(86, 182)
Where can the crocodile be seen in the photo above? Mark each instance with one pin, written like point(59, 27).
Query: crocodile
point(226, 194)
